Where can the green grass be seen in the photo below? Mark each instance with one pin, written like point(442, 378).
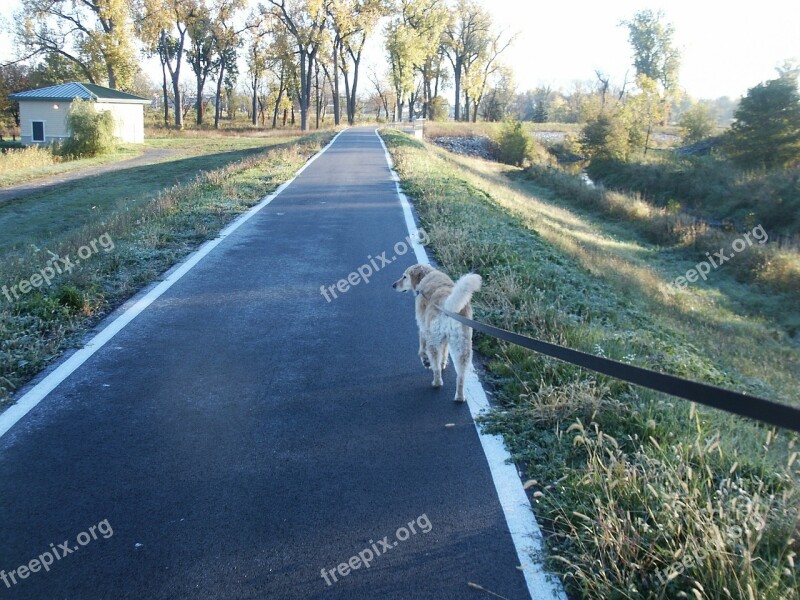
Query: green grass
point(628, 483)
point(36, 219)
point(154, 215)
point(181, 144)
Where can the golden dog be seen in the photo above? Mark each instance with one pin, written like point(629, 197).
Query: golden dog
point(437, 331)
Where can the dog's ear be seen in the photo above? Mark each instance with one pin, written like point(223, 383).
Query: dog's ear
point(416, 274)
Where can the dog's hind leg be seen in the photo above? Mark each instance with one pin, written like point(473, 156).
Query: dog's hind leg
point(444, 355)
point(423, 353)
point(462, 360)
point(435, 358)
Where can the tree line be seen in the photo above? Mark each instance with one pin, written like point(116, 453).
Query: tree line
point(297, 53)
point(307, 54)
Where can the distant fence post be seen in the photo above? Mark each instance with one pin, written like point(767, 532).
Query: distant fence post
point(419, 128)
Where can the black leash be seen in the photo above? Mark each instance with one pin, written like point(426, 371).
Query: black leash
point(765, 411)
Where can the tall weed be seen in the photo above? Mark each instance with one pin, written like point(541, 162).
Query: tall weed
point(26, 158)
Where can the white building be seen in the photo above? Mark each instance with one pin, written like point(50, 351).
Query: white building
point(43, 112)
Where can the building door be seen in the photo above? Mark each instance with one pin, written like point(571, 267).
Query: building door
point(38, 131)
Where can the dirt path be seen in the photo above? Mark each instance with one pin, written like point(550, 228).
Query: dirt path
point(150, 156)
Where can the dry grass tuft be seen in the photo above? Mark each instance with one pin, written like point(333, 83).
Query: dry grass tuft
point(26, 158)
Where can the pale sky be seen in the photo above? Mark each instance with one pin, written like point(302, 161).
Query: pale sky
point(725, 50)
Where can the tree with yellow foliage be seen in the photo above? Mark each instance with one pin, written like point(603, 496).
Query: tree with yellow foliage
point(96, 35)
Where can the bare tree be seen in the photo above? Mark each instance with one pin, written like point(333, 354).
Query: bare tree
point(383, 91)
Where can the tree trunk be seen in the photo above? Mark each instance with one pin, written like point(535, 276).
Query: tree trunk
point(354, 90)
point(426, 113)
point(278, 102)
point(217, 107)
point(438, 76)
point(176, 93)
point(457, 77)
point(347, 94)
point(336, 112)
point(176, 77)
point(254, 115)
point(166, 94)
point(303, 68)
point(306, 77)
point(112, 77)
point(200, 105)
point(316, 93)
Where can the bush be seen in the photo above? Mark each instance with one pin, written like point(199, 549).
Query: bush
point(712, 187)
point(696, 123)
point(91, 131)
point(605, 137)
point(513, 144)
point(438, 109)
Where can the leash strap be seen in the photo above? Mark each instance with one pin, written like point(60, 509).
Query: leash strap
point(745, 405)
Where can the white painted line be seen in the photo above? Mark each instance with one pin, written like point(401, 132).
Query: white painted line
point(20, 408)
point(525, 531)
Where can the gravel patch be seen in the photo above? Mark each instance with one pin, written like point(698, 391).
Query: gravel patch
point(477, 146)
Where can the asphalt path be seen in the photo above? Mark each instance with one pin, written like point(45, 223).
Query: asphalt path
point(243, 434)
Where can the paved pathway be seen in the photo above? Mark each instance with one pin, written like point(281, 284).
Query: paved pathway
point(245, 438)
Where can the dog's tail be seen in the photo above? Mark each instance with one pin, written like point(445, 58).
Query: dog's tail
point(462, 292)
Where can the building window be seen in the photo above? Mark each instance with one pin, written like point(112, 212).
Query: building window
point(38, 131)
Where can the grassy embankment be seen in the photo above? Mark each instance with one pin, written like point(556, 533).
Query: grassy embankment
point(155, 215)
point(643, 495)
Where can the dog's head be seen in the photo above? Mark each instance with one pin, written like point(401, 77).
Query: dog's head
point(411, 278)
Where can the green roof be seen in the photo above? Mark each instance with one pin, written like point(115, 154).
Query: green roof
point(67, 92)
